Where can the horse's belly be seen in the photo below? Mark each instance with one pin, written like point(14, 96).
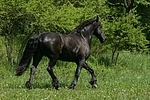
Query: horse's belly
point(67, 56)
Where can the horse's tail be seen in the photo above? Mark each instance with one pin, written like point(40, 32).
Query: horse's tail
point(27, 55)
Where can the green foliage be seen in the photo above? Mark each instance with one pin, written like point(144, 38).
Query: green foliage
point(15, 22)
point(144, 2)
point(145, 16)
point(60, 19)
point(67, 18)
point(14, 18)
point(21, 19)
point(125, 33)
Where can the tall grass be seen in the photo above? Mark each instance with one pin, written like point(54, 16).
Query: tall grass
point(128, 80)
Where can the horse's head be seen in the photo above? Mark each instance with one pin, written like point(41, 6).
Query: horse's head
point(91, 26)
point(98, 32)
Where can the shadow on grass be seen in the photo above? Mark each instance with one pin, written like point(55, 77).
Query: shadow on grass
point(22, 86)
point(48, 85)
point(42, 85)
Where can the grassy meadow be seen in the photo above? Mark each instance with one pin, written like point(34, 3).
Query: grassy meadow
point(128, 80)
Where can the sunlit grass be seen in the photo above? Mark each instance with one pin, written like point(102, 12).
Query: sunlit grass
point(128, 80)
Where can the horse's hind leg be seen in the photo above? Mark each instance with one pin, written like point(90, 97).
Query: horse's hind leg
point(93, 81)
point(55, 81)
point(29, 83)
point(36, 59)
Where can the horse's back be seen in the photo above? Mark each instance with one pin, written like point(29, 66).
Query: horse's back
point(48, 35)
point(50, 44)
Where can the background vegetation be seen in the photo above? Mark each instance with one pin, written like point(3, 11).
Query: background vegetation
point(122, 63)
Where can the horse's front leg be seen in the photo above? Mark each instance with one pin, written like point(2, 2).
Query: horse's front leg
point(77, 73)
point(55, 81)
point(93, 81)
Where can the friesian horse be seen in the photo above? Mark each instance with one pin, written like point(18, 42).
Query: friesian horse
point(73, 47)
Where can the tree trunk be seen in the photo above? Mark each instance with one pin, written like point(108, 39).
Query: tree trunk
point(9, 48)
point(128, 4)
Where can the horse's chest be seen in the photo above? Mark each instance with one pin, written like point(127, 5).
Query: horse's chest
point(85, 50)
point(74, 49)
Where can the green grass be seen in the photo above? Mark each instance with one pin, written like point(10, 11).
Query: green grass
point(128, 80)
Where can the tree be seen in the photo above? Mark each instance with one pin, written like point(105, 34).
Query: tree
point(124, 36)
point(143, 8)
point(15, 22)
point(125, 30)
point(127, 4)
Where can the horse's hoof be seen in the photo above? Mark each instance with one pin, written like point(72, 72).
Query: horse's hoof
point(94, 86)
point(28, 85)
point(57, 88)
point(56, 85)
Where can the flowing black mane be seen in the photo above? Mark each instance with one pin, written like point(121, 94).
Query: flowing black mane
point(83, 24)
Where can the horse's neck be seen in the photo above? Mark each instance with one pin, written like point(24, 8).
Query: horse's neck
point(86, 34)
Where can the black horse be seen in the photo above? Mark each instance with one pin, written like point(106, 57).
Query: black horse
point(74, 47)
